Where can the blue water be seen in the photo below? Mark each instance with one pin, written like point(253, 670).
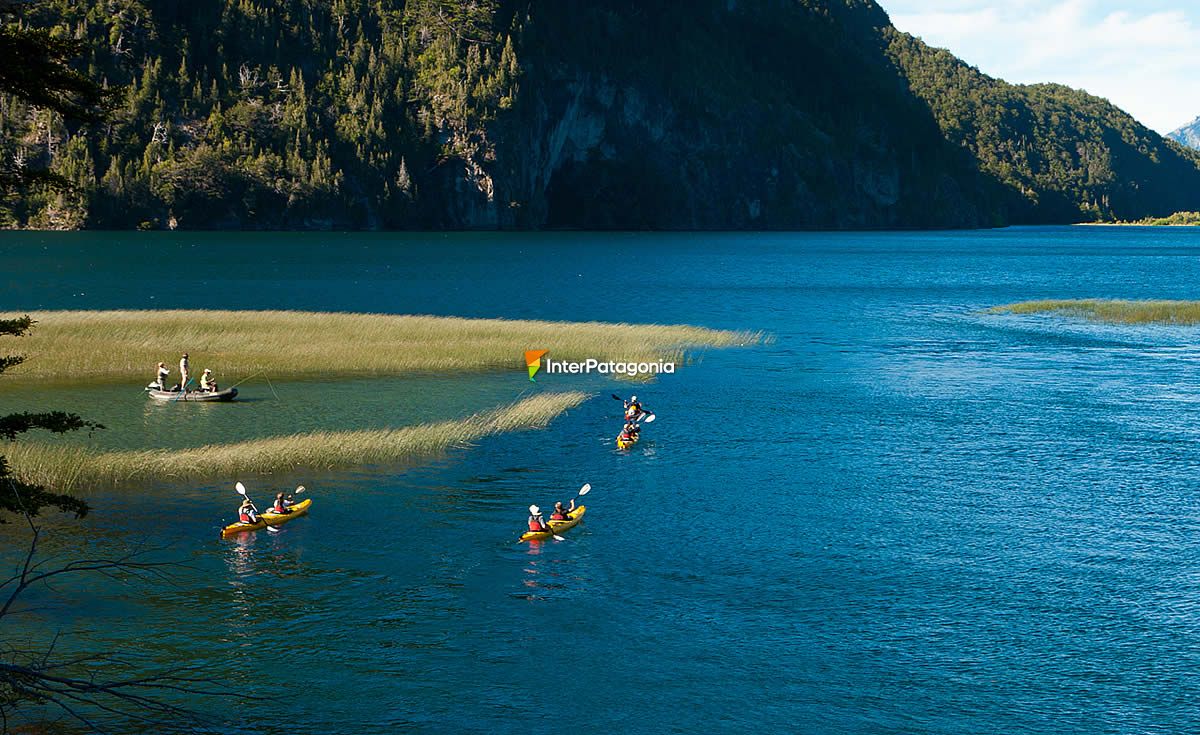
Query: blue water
point(900, 515)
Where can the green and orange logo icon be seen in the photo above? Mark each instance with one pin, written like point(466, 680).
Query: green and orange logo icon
point(533, 361)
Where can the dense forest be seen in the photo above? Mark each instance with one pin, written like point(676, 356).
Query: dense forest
point(524, 114)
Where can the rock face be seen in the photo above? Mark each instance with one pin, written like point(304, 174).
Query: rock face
point(640, 115)
point(802, 114)
point(1188, 135)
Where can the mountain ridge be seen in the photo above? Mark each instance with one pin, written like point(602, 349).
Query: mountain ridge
point(435, 114)
point(1188, 135)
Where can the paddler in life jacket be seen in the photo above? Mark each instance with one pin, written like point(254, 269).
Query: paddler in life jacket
point(206, 381)
point(633, 409)
point(283, 503)
point(247, 513)
point(536, 523)
point(560, 513)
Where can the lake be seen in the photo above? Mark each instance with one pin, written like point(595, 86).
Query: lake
point(899, 515)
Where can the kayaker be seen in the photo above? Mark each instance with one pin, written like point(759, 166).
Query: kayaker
point(633, 409)
point(536, 523)
point(183, 372)
point(206, 381)
point(560, 513)
point(163, 373)
point(283, 503)
point(247, 513)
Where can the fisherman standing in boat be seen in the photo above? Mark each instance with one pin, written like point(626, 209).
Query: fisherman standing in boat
point(163, 373)
point(183, 373)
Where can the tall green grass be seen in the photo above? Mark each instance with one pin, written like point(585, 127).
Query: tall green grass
point(1111, 311)
point(67, 469)
point(112, 346)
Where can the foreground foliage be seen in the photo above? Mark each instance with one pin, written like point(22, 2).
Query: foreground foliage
point(17, 495)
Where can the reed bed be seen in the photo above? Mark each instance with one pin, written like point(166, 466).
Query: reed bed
point(1112, 311)
point(68, 469)
point(114, 346)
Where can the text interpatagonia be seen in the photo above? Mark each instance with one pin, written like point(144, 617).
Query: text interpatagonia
point(592, 365)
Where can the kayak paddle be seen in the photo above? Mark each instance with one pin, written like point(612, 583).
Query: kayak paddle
point(587, 488)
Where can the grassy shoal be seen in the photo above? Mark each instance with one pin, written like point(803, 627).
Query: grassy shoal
point(111, 346)
point(68, 468)
point(1111, 311)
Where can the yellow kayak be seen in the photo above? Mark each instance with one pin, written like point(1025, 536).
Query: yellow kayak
point(270, 518)
point(573, 518)
point(626, 444)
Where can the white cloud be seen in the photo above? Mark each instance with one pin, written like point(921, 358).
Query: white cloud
point(1144, 57)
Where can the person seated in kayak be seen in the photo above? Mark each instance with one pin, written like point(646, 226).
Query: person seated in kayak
point(247, 513)
point(163, 373)
point(633, 409)
point(206, 381)
point(627, 434)
point(560, 513)
point(536, 523)
point(283, 503)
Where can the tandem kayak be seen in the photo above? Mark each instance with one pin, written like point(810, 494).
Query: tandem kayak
point(193, 395)
point(626, 444)
point(573, 518)
point(270, 518)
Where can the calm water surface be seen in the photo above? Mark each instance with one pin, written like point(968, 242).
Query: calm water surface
point(902, 515)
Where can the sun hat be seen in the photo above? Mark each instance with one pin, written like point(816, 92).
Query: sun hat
point(534, 510)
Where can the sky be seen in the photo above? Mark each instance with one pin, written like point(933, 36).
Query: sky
point(1142, 55)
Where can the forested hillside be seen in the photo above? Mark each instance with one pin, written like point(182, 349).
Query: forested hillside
point(1071, 156)
point(528, 113)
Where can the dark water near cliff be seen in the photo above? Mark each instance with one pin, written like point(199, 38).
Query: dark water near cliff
point(900, 516)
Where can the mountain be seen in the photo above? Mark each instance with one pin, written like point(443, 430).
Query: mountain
point(774, 114)
point(1069, 156)
point(1188, 135)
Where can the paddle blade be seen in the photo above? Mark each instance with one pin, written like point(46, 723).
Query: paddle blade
point(648, 419)
point(299, 489)
point(240, 488)
point(558, 538)
point(617, 397)
point(585, 489)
